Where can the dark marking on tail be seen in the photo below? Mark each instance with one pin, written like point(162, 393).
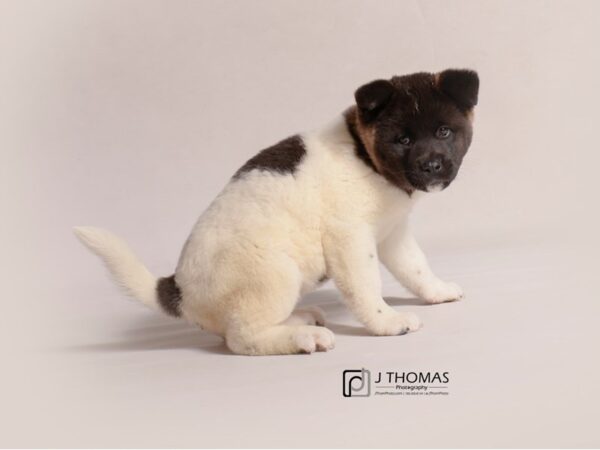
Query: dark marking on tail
point(169, 295)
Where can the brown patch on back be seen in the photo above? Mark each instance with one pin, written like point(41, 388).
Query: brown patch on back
point(169, 296)
point(283, 158)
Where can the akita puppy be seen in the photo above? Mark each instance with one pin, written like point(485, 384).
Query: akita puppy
point(330, 203)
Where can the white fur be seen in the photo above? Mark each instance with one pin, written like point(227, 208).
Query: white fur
point(268, 238)
point(435, 188)
point(127, 271)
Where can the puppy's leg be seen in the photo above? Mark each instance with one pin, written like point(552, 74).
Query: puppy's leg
point(401, 254)
point(352, 262)
point(256, 313)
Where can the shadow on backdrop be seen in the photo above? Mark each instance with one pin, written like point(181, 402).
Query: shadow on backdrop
point(164, 333)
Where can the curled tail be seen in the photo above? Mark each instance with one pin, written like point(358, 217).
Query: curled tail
point(129, 272)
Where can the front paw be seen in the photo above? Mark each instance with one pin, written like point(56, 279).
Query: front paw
point(392, 323)
point(441, 292)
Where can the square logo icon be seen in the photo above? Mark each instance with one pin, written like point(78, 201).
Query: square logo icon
point(356, 383)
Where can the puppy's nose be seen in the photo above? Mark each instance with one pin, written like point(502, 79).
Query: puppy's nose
point(432, 165)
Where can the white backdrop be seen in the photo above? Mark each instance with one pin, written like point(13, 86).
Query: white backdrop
point(132, 115)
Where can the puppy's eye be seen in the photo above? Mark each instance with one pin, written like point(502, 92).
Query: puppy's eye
point(443, 132)
point(404, 140)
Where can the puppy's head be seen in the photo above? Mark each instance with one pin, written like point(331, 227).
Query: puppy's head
point(417, 128)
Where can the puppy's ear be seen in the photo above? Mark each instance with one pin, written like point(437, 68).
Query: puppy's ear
point(372, 98)
point(462, 86)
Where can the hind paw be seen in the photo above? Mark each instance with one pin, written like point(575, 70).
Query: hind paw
point(311, 339)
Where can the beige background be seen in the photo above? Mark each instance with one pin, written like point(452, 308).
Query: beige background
point(132, 116)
